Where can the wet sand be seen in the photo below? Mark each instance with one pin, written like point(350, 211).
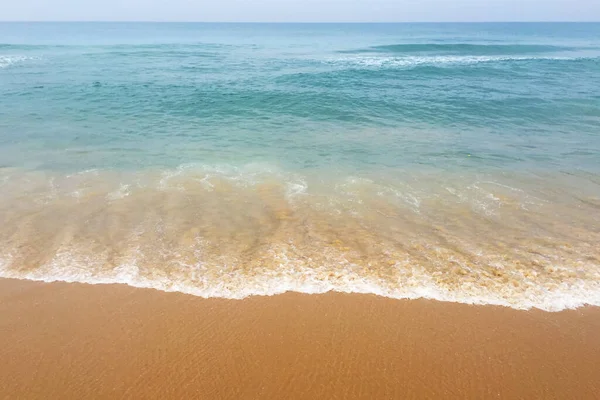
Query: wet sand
point(468, 239)
point(110, 341)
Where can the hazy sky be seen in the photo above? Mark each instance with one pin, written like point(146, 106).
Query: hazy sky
point(301, 10)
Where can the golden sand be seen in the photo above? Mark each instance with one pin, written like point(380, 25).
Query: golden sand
point(108, 341)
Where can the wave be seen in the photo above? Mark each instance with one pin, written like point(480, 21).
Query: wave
point(233, 232)
point(463, 49)
point(124, 46)
point(439, 60)
point(9, 60)
point(294, 277)
point(14, 46)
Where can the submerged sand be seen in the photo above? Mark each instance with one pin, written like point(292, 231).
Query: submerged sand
point(516, 241)
point(111, 341)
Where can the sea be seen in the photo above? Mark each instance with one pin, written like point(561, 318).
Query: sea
point(455, 162)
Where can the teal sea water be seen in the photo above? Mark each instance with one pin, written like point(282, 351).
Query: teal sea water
point(459, 162)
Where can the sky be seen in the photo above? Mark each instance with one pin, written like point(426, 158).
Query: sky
point(300, 10)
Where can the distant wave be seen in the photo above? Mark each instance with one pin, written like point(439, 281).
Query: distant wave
point(462, 48)
point(198, 50)
point(8, 60)
point(11, 46)
point(412, 61)
point(119, 46)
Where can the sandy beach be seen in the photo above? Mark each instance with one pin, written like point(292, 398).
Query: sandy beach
point(298, 210)
point(112, 341)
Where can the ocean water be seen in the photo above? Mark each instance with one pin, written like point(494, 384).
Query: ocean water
point(458, 162)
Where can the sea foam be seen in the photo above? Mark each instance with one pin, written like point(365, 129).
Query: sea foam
point(233, 232)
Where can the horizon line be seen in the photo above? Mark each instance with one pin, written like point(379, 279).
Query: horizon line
point(305, 22)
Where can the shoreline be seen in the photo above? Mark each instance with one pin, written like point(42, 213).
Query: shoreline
point(437, 297)
point(66, 340)
point(253, 230)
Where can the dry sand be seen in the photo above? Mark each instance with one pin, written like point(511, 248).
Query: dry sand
point(109, 341)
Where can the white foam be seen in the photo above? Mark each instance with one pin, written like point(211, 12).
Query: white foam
point(8, 60)
point(293, 275)
point(245, 176)
point(122, 192)
point(414, 61)
point(294, 189)
point(536, 288)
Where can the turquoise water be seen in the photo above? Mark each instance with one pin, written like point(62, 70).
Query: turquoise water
point(78, 96)
point(454, 127)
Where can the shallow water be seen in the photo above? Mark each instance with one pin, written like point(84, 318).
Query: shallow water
point(459, 162)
